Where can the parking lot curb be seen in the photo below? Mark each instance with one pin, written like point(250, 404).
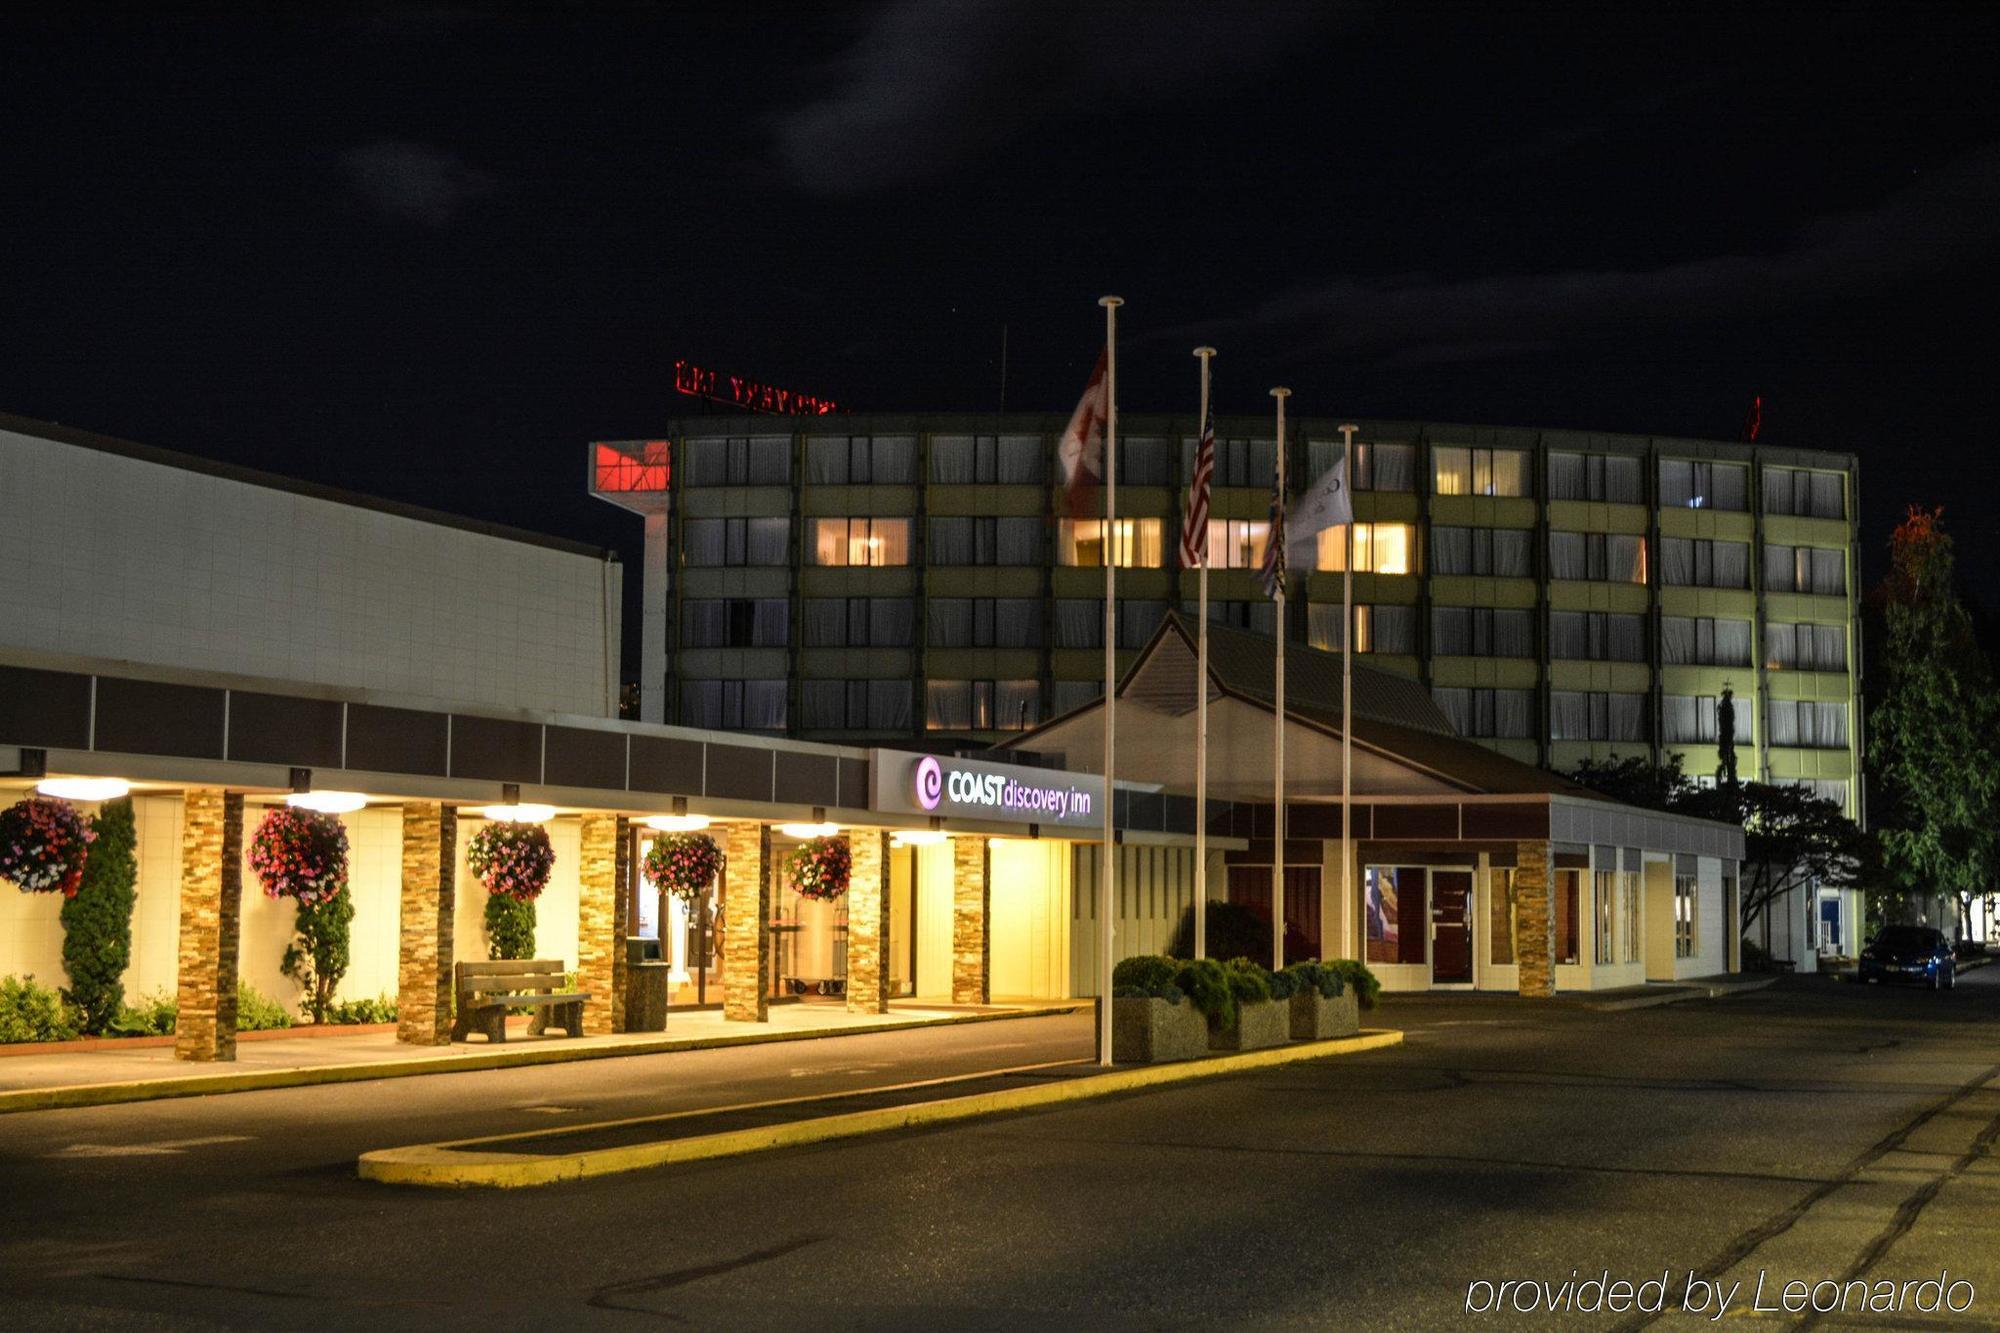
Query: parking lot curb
point(503, 1057)
point(470, 1163)
point(1720, 990)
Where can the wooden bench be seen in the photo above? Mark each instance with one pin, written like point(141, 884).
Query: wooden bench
point(486, 991)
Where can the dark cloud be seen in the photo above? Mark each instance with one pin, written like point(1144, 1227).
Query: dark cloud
point(414, 182)
point(929, 85)
point(1924, 227)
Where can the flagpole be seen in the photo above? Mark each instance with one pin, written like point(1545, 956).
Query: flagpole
point(1205, 354)
point(1107, 878)
point(1347, 687)
point(1278, 719)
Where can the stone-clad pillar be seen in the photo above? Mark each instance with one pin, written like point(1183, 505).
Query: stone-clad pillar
point(746, 924)
point(1534, 919)
point(211, 920)
point(971, 933)
point(868, 923)
point(603, 909)
point(423, 977)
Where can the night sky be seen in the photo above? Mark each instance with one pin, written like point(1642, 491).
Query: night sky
point(428, 252)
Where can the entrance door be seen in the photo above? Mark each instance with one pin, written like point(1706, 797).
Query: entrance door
point(1451, 927)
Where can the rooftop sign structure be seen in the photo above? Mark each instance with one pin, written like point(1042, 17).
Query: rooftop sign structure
point(975, 789)
point(750, 395)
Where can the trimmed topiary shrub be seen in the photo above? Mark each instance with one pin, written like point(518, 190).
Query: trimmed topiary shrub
point(1356, 974)
point(510, 927)
point(1249, 982)
point(319, 953)
point(30, 1011)
point(1148, 971)
point(1206, 983)
point(97, 922)
point(1312, 975)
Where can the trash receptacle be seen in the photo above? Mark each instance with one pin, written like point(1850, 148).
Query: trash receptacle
point(646, 997)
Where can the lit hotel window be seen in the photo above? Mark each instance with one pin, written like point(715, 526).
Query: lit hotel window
point(1479, 471)
point(1379, 548)
point(1137, 542)
point(1237, 543)
point(861, 541)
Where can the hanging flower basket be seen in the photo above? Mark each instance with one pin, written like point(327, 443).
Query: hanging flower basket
point(683, 864)
point(300, 854)
point(512, 860)
point(43, 843)
point(819, 867)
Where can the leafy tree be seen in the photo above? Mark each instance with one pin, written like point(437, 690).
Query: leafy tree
point(97, 922)
point(1932, 739)
point(1791, 837)
point(318, 955)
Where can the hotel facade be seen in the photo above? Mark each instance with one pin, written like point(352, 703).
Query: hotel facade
point(1563, 595)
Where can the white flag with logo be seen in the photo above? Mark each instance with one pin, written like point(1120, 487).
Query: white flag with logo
point(1325, 505)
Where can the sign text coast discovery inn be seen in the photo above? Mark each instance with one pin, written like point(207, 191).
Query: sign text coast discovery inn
point(931, 785)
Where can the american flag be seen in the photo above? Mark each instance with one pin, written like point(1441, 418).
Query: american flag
point(1194, 532)
point(1272, 573)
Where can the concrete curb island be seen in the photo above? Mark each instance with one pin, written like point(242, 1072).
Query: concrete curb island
point(468, 1060)
point(492, 1162)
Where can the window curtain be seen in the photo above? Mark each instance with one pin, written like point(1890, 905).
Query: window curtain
point(1780, 568)
point(1513, 633)
point(951, 541)
point(1451, 470)
point(1625, 558)
point(1627, 717)
point(1079, 622)
point(1451, 550)
point(1451, 630)
point(1827, 570)
point(1732, 564)
point(702, 538)
point(1732, 643)
point(1017, 622)
point(1729, 487)
point(1018, 460)
point(1569, 634)
point(1392, 629)
point(1625, 638)
point(1019, 541)
point(1136, 621)
point(704, 623)
point(1676, 561)
point(1508, 472)
point(1622, 484)
point(1569, 715)
point(1676, 483)
point(1681, 716)
point(768, 539)
point(826, 460)
point(1513, 714)
point(948, 705)
point(764, 705)
point(824, 622)
point(889, 705)
point(949, 622)
point(892, 622)
point(1070, 695)
point(1016, 704)
point(951, 460)
point(1323, 626)
point(1142, 461)
point(1456, 705)
point(1778, 490)
point(771, 623)
point(822, 703)
point(1678, 641)
point(1566, 556)
point(1829, 646)
point(1826, 496)
point(769, 464)
point(1393, 467)
point(1510, 553)
point(895, 460)
point(1567, 477)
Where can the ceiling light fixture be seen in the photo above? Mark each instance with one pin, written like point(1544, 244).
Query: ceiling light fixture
point(525, 813)
point(676, 823)
point(327, 802)
point(917, 837)
point(804, 831)
point(84, 789)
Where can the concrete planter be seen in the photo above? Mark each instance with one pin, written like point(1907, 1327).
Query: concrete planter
point(1316, 1018)
point(1146, 1031)
point(1265, 1023)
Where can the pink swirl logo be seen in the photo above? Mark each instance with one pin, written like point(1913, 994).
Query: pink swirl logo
point(930, 783)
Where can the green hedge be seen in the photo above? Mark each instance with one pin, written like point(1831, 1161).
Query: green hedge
point(1217, 988)
point(97, 923)
point(30, 1011)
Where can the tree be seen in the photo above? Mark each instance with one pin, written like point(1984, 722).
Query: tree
point(1932, 739)
point(318, 957)
point(1635, 780)
point(510, 927)
point(97, 922)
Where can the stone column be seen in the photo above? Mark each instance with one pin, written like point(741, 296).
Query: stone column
point(868, 923)
point(1534, 919)
point(211, 921)
point(423, 977)
point(603, 907)
point(971, 935)
point(746, 924)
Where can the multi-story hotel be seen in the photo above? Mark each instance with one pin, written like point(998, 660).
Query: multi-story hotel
point(1563, 595)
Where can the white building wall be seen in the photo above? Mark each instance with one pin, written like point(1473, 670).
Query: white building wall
point(131, 560)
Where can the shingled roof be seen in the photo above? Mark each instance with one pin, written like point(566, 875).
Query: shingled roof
point(1393, 715)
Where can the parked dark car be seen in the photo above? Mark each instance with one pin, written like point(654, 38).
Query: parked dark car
point(1910, 953)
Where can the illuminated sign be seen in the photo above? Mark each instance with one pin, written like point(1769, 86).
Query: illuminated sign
point(700, 382)
point(974, 789)
point(641, 466)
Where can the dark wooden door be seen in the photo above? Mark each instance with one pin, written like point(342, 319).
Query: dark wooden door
point(1451, 927)
point(1250, 886)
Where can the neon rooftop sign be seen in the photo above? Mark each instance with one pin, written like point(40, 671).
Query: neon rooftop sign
point(751, 395)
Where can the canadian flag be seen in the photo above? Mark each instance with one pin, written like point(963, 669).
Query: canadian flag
point(1081, 452)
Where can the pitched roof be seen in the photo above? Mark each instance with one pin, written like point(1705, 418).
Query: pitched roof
point(1393, 715)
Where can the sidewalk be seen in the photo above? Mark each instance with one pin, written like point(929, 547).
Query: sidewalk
point(103, 1077)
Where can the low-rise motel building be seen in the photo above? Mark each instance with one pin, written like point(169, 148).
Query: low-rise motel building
point(221, 642)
